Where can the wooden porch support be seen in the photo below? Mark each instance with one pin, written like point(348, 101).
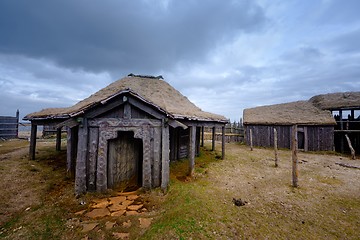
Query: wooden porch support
point(294, 145)
point(202, 136)
point(223, 143)
point(147, 179)
point(192, 147)
point(213, 139)
point(341, 128)
point(32, 141)
point(71, 150)
point(165, 161)
point(80, 171)
point(58, 139)
point(17, 125)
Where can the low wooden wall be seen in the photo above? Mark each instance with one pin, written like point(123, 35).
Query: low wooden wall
point(9, 126)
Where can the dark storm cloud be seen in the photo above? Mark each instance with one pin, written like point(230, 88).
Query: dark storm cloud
point(113, 35)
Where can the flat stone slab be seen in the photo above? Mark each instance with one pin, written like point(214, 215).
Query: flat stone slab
point(102, 204)
point(117, 200)
point(127, 193)
point(98, 213)
point(119, 235)
point(88, 227)
point(145, 222)
point(115, 208)
point(127, 224)
point(127, 202)
point(131, 213)
point(118, 213)
point(109, 225)
point(135, 207)
point(132, 197)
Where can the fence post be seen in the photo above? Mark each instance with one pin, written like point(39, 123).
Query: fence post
point(251, 140)
point(294, 156)
point(276, 147)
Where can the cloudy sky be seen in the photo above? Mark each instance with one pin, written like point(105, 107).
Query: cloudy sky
point(223, 55)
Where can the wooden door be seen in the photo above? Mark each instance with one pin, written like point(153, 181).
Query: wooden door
point(125, 162)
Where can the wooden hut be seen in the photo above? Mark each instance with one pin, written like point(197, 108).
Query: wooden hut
point(345, 106)
point(126, 134)
point(315, 127)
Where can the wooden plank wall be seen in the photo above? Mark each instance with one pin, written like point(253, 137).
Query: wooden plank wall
point(319, 138)
point(9, 126)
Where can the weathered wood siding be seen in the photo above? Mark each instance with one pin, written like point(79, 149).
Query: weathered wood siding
point(9, 126)
point(316, 138)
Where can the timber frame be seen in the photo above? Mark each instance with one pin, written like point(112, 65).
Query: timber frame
point(163, 138)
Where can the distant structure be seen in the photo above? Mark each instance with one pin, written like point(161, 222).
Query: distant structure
point(9, 126)
point(322, 123)
point(124, 135)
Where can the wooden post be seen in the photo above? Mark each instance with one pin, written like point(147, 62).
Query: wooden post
point(251, 140)
point(223, 143)
point(32, 141)
point(202, 136)
point(58, 139)
point(351, 147)
point(192, 150)
point(276, 147)
point(17, 123)
point(165, 161)
point(213, 139)
point(341, 134)
point(294, 145)
point(82, 150)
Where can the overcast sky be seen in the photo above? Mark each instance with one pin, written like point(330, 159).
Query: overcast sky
point(223, 55)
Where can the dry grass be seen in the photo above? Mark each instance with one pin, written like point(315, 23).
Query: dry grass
point(325, 206)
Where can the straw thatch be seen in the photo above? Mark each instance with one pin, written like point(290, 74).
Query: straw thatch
point(301, 112)
point(152, 90)
point(332, 101)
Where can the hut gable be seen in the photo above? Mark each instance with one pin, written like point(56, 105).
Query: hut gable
point(153, 91)
point(331, 101)
point(300, 112)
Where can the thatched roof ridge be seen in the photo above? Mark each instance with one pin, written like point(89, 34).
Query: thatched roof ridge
point(300, 112)
point(332, 101)
point(154, 91)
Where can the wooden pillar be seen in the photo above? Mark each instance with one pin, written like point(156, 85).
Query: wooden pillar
point(17, 123)
point(294, 146)
point(276, 147)
point(165, 161)
point(213, 139)
point(58, 139)
point(251, 140)
point(351, 147)
point(223, 142)
point(147, 178)
point(202, 136)
point(341, 133)
point(32, 148)
point(192, 150)
point(82, 150)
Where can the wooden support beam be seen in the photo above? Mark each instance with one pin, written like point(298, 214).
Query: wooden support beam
point(192, 150)
point(223, 143)
point(32, 148)
point(213, 139)
point(341, 128)
point(202, 136)
point(82, 150)
point(165, 161)
point(276, 147)
point(251, 140)
point(294, 145)
point(351, 147)
point(17, 123)
point(58, 139)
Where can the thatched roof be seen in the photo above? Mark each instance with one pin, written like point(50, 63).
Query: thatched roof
point(151, 90)
point(332, 101)
point(301, 112)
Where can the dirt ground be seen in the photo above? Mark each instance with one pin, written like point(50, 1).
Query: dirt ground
point(326, 204)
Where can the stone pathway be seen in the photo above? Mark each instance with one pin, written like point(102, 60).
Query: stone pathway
point(125, 204)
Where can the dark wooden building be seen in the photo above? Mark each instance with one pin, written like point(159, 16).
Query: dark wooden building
point(345, 106)
point(126, 134)
point(315, 127)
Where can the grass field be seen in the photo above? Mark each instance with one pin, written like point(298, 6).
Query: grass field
point(37, 199)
